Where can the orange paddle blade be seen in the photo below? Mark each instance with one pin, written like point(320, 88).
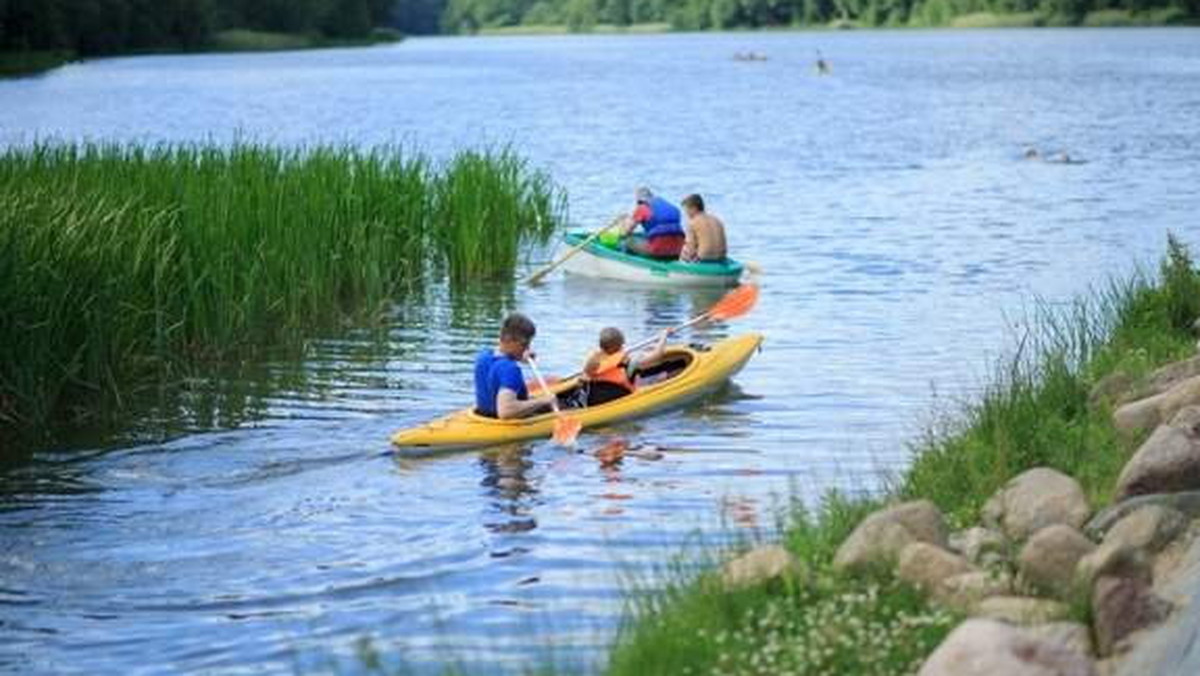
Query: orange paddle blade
point(566, 430)
point(735, 303)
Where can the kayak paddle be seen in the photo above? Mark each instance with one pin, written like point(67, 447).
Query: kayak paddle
point(566, 427)
point(537, 276)
point(732, 305)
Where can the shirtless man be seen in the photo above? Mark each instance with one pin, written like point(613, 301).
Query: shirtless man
point(705, 236)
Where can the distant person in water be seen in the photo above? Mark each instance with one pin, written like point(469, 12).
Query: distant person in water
point(500, 390)
point(1032, 153)
point(822, 65)
point(704, 240)
point(662, 234)
point(610, 370)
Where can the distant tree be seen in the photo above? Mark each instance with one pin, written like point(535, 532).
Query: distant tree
point(581, 15)
point(346, 19)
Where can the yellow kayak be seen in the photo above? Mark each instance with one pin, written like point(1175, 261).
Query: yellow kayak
point(683, 374)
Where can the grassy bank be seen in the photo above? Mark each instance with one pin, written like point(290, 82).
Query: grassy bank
point(123, 265)
point(1035, 413)
point(244, 40)
point(563, 29)
point(13, 64)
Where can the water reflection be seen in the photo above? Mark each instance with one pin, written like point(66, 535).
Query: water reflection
point(507, 482)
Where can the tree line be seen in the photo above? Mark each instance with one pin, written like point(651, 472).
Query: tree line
point(98, 27)
point(472, 15)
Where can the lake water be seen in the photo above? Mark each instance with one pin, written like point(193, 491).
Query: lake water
point(901, 233)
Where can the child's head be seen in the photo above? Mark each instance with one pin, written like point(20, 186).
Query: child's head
point(611, 340)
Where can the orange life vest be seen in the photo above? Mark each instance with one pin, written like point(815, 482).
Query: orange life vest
point(612, 370)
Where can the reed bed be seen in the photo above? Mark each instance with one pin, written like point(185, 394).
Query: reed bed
point(1036, 412)
point(120, 264)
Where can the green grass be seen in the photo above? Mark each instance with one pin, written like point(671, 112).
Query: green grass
point(563, 29)
point(245, 40)
point(122, 265)
point(1112, 18)
point(31, 63)
point(1035, 412)
point(991, 20)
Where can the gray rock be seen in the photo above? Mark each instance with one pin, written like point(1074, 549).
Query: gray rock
point(1171, 375)
point(1022, 610)
point(1147, 413)
point(925, 566)
point(982, 647)
point(1035, 499)
point(1171, 647)
point(965, 591)
point(1122, 606)
point(1049, 559)
point(1149, 527)
point(877, 541)
point(1185, 502)
point(1137, 415)
point(1070, 635)
point(1114, 388)
point(974, 543)
point(1113, 559)
point(1169, 461)
point(759, 565)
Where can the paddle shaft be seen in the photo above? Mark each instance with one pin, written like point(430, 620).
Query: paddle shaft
point(639, 345)
point(545, 388)
point(537, 276)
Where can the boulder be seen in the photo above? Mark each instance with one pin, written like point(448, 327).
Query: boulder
point(1170, 375)
point(981, 647)
point(759, 565)
point(1147, 413)
point(1184, 502)
point(1113, 559)
point(978, 543)
point(1035, 499)
point(1149, 527)
point(964, 591)
point(1168, 461)
point(1114, 388)
point(1070, 635)
point(1121, 606)
point(1049, 559)
point(925, 566)
point(877, 541)
point(1022, 610)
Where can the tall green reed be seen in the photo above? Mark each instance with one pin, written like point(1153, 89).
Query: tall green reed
point(120, 264)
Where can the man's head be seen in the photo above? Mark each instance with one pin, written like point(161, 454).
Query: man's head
point(516, 334)
point(643, 195)
point(611, 340)
point(693, 204)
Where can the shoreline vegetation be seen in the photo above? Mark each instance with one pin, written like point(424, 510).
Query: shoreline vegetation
point(1106, 18)
point(1042, 409)
point(40, 35)
point(125, 269)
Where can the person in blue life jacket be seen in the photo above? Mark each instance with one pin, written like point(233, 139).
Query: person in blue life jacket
point(500, 390)
point(662, 233)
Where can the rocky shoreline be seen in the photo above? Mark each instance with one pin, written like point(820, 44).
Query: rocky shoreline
point(1046, 586)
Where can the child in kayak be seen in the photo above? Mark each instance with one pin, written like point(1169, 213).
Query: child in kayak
point(610, 371)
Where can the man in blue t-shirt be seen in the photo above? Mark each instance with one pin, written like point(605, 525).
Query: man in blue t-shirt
point(499, 386)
